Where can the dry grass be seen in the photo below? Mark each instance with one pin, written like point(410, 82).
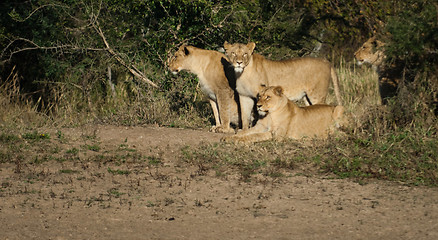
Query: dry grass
point(131, 103)
point(181, 104)
point(16, 109)
point(375, 145)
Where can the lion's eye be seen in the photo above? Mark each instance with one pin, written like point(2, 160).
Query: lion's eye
point(233, 54)
point(245, 55)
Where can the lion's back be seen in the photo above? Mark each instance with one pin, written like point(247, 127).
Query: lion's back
point(296, 75)
point(315, 121)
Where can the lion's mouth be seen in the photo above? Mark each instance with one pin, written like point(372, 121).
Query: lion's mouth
point(238, 69)
point(174, 71)
point(360, 62)
point(262, 112)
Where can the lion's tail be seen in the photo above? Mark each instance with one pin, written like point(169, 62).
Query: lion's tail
point(336, 86)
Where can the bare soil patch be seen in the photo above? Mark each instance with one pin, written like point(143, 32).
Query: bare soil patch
point(130, 183)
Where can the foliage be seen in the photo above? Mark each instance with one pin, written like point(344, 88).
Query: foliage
point(63, 62)
point(411, 39)
point(55, 68)
point(59, 57)
point(413, 35)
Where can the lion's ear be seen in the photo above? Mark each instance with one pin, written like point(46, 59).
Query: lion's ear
point(226, 45)
point(278, 91)
point(251, 46)
point(262, 87)
point(182, 47)
point(186, 50)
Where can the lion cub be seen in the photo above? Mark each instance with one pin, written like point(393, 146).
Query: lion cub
point(282, 118)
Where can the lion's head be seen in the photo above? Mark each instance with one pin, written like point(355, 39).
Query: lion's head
point(177, 61)
point(270, 99)
point(370, 52)
point(239, 54)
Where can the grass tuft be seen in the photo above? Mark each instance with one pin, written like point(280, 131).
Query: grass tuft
point(36, 136)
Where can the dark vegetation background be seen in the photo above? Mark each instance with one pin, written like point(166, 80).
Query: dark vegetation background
point(71, 62)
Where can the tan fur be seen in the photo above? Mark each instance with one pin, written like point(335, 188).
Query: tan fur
point(299, 77)
point(214, 73)
point(372, 52)
point(284, 119)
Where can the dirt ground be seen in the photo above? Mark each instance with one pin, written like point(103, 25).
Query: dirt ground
point(92, 199)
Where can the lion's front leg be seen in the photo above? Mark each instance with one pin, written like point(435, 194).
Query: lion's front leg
point(260, 132)
point(248, 138)
point(224, 99)
point(246, 105)
point(215, 109)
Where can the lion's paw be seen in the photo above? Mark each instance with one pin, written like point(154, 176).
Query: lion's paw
point(221, 129)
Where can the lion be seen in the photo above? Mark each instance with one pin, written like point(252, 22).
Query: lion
point(216, 78)
point(372, 52)
point(281, 118)
point(301, 78)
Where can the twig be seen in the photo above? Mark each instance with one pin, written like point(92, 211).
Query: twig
point(37, 47)
point(132, 69)
point(39, 8)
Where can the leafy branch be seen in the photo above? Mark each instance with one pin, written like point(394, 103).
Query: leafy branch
point(132, 69)
point(29, 45)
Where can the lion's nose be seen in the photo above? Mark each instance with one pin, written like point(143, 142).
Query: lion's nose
point(356, 54)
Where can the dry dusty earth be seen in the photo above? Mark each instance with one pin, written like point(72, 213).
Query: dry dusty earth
point(88, 198)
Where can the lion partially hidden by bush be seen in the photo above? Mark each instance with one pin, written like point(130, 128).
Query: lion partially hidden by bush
point(390, 75)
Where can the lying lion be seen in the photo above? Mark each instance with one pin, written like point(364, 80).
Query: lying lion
point(282, 118)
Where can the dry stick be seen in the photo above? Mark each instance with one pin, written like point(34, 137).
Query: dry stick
point(37, 47)
point(132, 69)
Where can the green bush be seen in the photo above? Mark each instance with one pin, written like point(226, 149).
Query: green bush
point(61, 62)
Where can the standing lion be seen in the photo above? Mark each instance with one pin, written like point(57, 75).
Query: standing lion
point(216, 79)
point(307, 78)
